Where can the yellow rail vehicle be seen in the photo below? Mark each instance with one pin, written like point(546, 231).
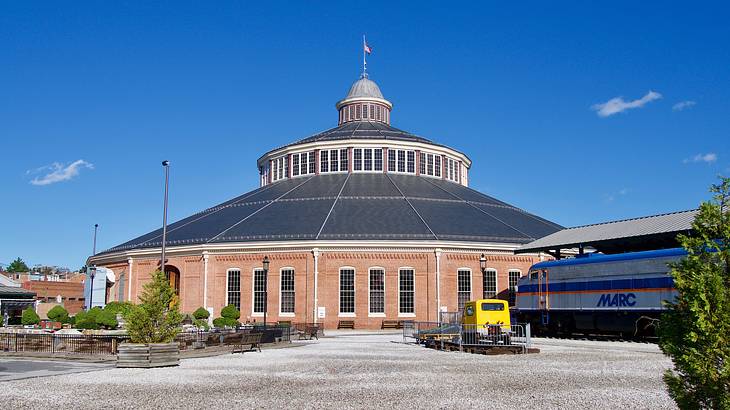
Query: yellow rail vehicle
point(486, 321)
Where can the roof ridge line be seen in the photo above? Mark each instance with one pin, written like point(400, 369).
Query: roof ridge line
point(204, 214)
point(481, 210)
point(412, 207)
point(326, 218)
point(632, 219)
point(258, 210)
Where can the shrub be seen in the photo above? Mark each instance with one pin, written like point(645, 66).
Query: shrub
point(30, 317)
point(87, 319)
point(201, 324)
point(71, 320)
point(201, 313)
point(157, 318)
point(119, 307)
point(225, 322)
point(230, 312)
point(107, 319)
point(58, 314)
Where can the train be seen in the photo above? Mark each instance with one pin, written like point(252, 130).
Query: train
point(597, 294)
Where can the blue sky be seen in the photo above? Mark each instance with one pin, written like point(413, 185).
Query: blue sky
point(96, 94)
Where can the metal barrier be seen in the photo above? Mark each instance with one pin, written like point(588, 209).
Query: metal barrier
point(452, 335)
point(53, 343)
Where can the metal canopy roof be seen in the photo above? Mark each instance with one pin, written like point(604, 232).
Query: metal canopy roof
point(358, 206)
point(11, 292)
point(650, 232)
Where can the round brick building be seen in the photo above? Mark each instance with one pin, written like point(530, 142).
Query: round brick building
point(363, 222)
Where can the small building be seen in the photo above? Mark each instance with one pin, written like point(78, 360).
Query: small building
point(68, 294)
point(13, 300)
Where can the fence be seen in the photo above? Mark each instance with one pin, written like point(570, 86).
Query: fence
point(52, 343)
point(462, 335)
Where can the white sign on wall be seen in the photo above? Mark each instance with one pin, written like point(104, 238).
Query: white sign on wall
point(320, 312)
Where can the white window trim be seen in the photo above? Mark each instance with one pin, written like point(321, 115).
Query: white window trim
point(288, 314)
point(414, 292)
point(471, 283)
point(253, 293)
point(372, 161)
point(239, 281)
point(377, 314)
point(496, 281)
point(354, 291)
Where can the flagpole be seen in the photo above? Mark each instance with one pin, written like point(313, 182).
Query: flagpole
point(364, 62)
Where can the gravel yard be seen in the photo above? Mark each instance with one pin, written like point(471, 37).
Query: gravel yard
point(356, 370)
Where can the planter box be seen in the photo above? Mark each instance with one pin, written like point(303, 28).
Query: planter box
point(148, 355)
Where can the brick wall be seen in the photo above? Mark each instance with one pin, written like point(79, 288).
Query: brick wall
point(329, 264)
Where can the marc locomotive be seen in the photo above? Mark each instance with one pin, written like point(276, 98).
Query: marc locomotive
point(598, 294)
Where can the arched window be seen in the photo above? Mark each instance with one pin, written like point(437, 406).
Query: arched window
point(347, 291)
point(490, 284)
point(376, 285)
point(463, 287)
point(514, 277)
point(286, 286)
point(233, 288)
point(406, 291)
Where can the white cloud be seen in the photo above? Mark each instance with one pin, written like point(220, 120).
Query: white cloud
point(709, 158)
point(612, 197)
point(59, 172)
point(683, 105)
point(617, 104)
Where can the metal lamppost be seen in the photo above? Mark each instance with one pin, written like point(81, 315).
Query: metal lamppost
point(92, 273)
point(96, 227)
point(265, 264)
point(483, 267)
point(165, 164)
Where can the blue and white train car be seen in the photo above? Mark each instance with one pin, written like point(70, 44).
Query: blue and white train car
point(596, 293)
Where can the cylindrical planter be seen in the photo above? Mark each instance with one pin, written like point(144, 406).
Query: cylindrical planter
point(148, 355)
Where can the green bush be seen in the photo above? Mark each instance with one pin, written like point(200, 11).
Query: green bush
point(119, 307)
point(230, 312)
point(201, 324)
point(87, 319)
point(225, 322)
point(71, 320)
point(157, 319)
point(201, 313)
point(107, 319)
point(30, 317)
point(58, 314)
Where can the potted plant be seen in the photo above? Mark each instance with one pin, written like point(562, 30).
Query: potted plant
point(152, 326)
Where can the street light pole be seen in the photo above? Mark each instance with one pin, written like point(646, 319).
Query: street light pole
point(165, 164)
point(96, 227)
point(92, 273)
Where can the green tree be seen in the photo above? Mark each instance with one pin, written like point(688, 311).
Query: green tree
point(107, 319)
point(157, 319)
point(87, 319)
point(58, 314)
point(695, 329)
point(18, 266)
point(30, 317)
point(201, 313)
point(229, 317)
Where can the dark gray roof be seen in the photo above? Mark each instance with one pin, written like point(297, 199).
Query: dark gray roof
point(355, 206)
point(360, 130)
point(649, 232)
point(12, 292)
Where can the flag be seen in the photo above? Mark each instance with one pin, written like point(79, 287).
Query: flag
point(366, 47)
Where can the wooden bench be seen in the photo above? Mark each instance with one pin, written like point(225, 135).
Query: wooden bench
point(346, 324)
point(309, 332)
point(391, 324)
point(253, 340)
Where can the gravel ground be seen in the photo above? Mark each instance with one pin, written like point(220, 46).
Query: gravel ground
point(371, 370)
